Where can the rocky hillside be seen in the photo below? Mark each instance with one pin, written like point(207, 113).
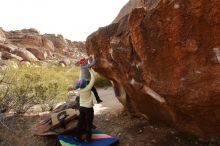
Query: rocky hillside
point(164, 59)
point(28, 45)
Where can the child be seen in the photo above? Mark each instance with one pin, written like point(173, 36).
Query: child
point(86, 106)
point(84, 74)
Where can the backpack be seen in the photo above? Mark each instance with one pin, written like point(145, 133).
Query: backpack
point(62, 118)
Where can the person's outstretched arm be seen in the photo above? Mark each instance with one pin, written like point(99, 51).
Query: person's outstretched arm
point(88, 65)
point(92, 81)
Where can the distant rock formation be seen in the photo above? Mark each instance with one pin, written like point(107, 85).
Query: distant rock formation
point(30, 45)
point(2, 35)
point(163, 57)
point(58, 41)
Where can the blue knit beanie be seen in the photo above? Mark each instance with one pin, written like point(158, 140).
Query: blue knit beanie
point(80, 84)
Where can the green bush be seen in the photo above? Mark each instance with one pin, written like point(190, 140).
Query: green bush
point(22, 88)
point(26, 86)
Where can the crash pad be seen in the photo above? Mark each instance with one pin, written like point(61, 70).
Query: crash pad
point(99, 138)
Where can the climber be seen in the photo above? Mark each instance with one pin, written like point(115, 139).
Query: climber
point(84, 73)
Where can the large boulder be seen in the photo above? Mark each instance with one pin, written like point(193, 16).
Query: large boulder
point(25, 55)
point(6, 55)
point(39, 53)
point(127, 9)
point(48, 44)
point(164, 60)
point(7, 47)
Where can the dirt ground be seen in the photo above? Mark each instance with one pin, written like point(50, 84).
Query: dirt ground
point(110, 118)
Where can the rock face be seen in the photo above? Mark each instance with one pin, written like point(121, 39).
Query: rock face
point(126, 10)
point(164, 60)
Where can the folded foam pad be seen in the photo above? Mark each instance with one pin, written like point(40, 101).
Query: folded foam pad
point(98, 139)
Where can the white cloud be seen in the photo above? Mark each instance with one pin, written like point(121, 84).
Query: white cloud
point(74, 19)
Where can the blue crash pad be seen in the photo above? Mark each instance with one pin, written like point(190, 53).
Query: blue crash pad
point(98, 139)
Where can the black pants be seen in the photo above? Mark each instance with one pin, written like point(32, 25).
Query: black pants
point(95, 92)
point(85, 122)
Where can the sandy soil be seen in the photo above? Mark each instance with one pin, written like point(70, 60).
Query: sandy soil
point(110, 118)
point(110, 104)
point(137, 131)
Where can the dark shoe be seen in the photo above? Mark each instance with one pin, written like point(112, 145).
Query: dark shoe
point(93, 126)
point(77, 139)
point(99, 101)
point(87, 140)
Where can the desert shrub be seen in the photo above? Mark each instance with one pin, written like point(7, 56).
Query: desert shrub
point(24, 87)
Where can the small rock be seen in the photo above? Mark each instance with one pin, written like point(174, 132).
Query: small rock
point(153, 140)
point(176, 6)
point(140, 131)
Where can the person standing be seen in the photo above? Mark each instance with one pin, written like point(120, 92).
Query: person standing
point(86, 107)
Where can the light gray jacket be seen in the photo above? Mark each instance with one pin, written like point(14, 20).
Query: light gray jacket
point(84, 71)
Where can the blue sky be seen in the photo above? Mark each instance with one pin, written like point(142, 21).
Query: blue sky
point(74, 19)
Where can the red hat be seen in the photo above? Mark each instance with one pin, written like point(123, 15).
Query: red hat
point(82, 61)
